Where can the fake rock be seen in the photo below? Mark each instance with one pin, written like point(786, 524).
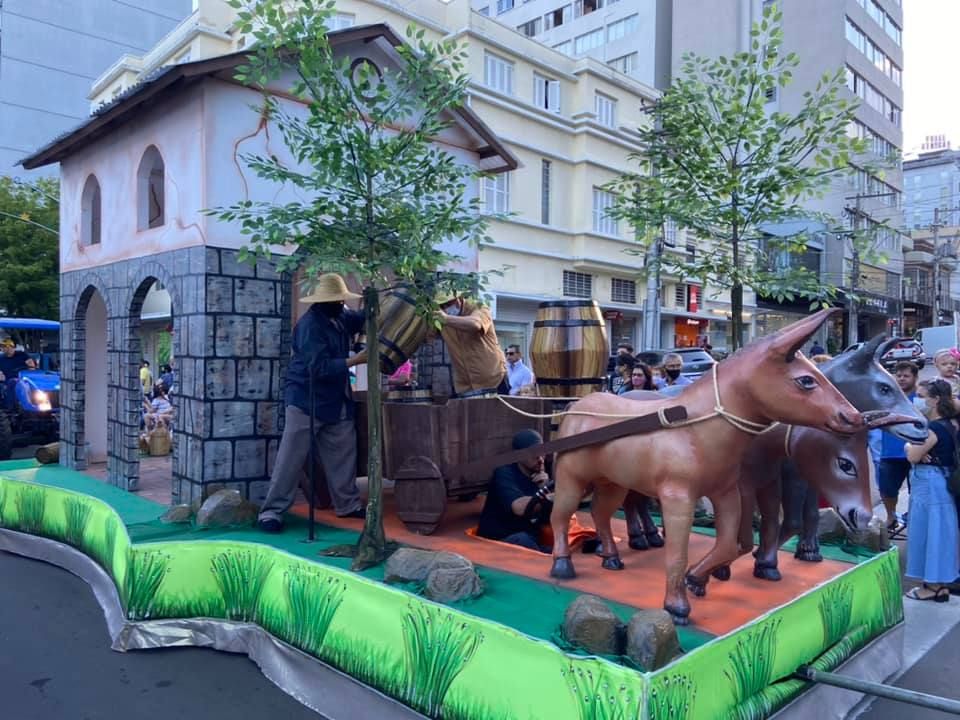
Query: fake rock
point(652, 639)
point(411, 565)
point(225, 508)
point(831, 528)
point(590, 624)
point(452, 584)
point(177, 514)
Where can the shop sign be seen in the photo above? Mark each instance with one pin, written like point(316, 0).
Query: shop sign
point(693, 302)
point(879, 304)
point(613, 315)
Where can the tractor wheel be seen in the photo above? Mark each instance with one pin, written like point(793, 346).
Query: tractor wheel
point(6, 436)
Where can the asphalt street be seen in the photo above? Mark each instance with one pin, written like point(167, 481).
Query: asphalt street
point(56, 663)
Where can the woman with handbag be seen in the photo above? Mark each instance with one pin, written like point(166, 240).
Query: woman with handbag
point(933, 554)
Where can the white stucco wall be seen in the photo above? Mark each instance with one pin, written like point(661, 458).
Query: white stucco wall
point(175, 129)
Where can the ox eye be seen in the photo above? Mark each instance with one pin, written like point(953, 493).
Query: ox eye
point(806, 382)
point(846, 467)
point(885, 389)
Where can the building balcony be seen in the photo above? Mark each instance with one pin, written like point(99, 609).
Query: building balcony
point(918, 257)
point(918, 295)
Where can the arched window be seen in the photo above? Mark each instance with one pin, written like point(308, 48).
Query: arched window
point(150, 205)
point(90, 212)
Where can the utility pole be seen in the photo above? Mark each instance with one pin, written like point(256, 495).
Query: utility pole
point(853, 334)
point(935, 229)
point(651, 314)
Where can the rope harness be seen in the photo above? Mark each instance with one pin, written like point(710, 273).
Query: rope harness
point(747, 426)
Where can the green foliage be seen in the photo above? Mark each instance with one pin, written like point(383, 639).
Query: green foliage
point(240, 575)
point(111, 528)
point(145, 572)
point(836, 604)
point(31, 504)
point(313, 597)
point(596, 695)
point(383, 201)
point(751, 669)
point(78, 515)
point(437, 647)
point(891, 599)
point(672, 697)
point(726, 169)
point(164, 348)
point(373, 665)
point(3, 497)
point(29, 272)
point(198, 605)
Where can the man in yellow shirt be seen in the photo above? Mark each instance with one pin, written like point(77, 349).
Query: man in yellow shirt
point(479, 366)
point(146, 377)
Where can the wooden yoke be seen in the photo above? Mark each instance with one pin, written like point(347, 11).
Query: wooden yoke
point(634, 426)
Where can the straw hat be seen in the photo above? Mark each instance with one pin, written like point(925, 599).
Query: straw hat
point(330, 287)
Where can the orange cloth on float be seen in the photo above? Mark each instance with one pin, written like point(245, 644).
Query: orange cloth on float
point(576, 535)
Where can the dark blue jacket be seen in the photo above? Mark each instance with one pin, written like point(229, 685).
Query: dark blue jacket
point(317, 343)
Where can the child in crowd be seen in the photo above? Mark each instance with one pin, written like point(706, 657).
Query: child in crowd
point(946, 364)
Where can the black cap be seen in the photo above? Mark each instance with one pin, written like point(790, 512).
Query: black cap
point(526, 438)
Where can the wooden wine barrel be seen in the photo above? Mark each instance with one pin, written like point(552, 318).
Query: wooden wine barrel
point(409, 396)
point(569, 348)
point(402, 331)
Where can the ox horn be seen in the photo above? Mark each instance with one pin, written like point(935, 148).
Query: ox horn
point(873, 419)
point(887, 346)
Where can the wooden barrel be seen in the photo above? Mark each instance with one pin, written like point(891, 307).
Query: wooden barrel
point(402, 331)
point(409, 396)
point(569, 348)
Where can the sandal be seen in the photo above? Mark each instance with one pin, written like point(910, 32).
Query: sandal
point(940, 595)
point(896, 529)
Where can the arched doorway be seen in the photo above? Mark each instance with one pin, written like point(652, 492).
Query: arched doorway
point(153, 387)
point(91, 383)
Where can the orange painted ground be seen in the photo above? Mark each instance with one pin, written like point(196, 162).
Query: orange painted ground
point(726, 606)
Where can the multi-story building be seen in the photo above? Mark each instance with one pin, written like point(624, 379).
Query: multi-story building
point(864, 38)
point(568, 120)
point(50, 52)
point(931, 211)
point(632, 36)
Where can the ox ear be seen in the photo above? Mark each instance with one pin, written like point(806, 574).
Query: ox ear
point(788, 341)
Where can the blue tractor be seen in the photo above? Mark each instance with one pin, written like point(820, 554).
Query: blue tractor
point(29, 396)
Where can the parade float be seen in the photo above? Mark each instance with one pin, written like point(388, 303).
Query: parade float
point(349, 643)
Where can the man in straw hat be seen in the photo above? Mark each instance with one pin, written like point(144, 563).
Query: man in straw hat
point(12, 361)
point(321, 346)
point(479, 366)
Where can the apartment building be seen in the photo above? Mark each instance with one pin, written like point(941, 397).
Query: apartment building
point(863, 38)
point(568, 120)
point(931, 211)
point(50, 52)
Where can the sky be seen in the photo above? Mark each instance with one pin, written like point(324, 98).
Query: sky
point(931, 103)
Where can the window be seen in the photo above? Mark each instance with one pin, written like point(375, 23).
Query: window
point(150, 181)
point(496, 193)
point(498, 73)
point(606, 109)
point(622, 28)
point(670, 233)
point(546, 93)
point(585, 7)
point(603, 203)
point(623, 291)
point(557, 17)
point(565, 47)
point(485, 11)
point(577, 284)
point(873, 97)
point(680, 295)
point(691, 250)
point(625, 63)
point(587, 42)
point(545, 167)
point(770, 94)
point(341, 21)
point(503, 6)
point(530, 28)
point(873, 53)
point(90, 209)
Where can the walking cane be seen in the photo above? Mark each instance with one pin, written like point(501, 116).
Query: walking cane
point(313, 460)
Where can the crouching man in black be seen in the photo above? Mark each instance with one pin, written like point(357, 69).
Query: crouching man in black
point(519, 500)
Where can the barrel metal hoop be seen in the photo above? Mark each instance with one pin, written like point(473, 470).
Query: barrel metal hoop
point(567, 323)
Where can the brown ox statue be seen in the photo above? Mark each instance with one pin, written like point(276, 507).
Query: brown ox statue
point(764, 383)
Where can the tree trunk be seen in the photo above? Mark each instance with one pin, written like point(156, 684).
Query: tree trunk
point(372, 546)
point(736, 314)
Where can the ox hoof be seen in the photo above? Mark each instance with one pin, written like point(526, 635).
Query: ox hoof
point(722, 573)
point(639, 542)
point(563, 569)
point(695, 585)
point(653, 537)
point(766, 573)
point(612, 563)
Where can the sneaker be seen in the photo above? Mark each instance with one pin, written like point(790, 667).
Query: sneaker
point(270, 525)
point(359, 514)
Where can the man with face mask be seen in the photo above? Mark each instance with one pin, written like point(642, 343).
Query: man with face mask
point(672, 366)
point(479, 366)
point(320, 347)
point(889, 458)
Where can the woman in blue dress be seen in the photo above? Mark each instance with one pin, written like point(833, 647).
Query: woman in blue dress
point(932, 543)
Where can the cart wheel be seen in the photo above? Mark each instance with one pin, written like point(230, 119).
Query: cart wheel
point(420, 494)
